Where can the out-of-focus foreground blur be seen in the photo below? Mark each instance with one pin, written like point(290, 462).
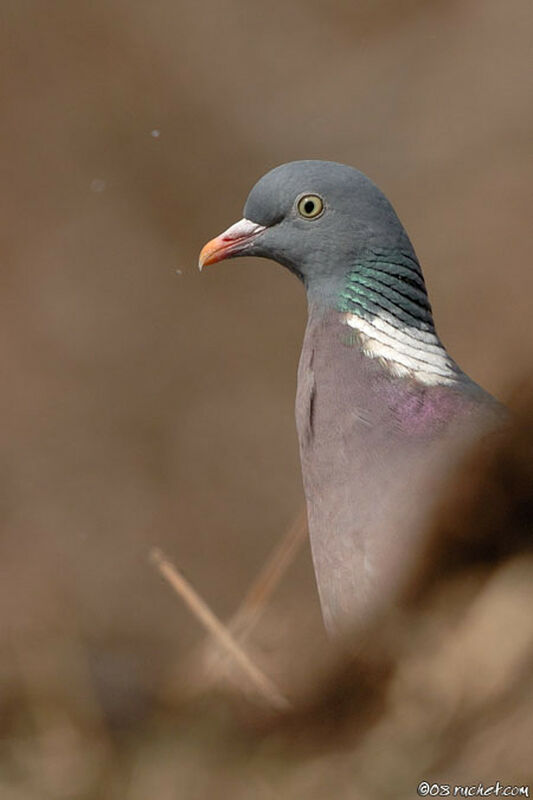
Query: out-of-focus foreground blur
point(145, 406)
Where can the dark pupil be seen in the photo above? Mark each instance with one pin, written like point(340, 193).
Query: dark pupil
point(309, 206)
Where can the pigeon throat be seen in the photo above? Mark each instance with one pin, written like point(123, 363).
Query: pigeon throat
point(384, 301)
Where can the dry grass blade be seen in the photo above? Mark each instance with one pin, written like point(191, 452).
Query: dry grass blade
point(256, 599)
point(210, 621)
point(208, 664)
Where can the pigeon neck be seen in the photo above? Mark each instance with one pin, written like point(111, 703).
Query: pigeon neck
point(382, 297)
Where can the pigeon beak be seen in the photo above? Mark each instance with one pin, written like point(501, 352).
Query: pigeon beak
point(233, 242)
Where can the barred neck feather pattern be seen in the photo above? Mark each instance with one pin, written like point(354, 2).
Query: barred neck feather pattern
point(385, 302)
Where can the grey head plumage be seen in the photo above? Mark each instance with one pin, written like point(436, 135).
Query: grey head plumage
point(382, 409)
point(354, 216)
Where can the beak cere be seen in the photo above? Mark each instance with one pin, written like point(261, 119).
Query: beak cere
point(233, 242)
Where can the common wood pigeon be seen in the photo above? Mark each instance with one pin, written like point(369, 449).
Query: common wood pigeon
point(382, 410)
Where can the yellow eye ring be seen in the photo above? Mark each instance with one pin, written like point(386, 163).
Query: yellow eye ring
point(310, 206)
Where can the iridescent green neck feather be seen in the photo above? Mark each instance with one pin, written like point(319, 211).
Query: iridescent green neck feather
point(384, 300)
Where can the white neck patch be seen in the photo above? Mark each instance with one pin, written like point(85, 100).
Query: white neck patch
point(404, 351)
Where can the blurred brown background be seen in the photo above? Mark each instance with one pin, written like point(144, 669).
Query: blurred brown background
point(144, 404)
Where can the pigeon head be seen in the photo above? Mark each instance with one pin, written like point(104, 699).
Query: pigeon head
point(317, 218)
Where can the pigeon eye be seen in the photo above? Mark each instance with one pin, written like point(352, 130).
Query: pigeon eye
point(310, 206)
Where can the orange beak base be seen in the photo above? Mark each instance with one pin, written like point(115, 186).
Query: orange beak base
point(233, 242)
